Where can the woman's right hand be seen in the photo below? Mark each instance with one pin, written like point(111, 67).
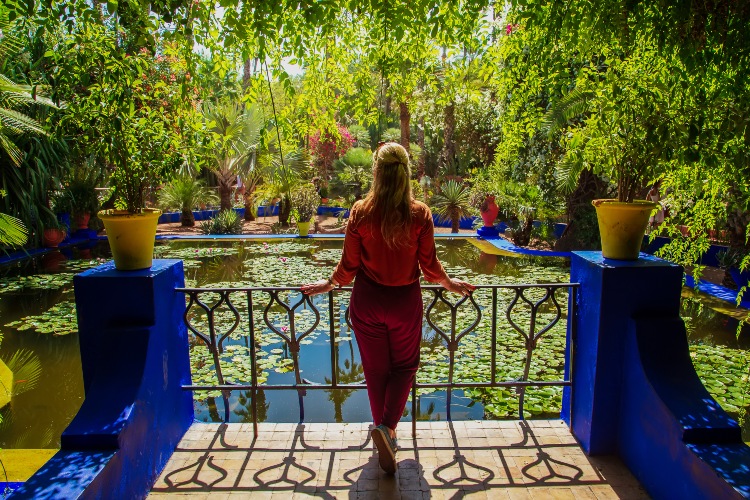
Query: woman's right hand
point(458, 286)
point(322, 286)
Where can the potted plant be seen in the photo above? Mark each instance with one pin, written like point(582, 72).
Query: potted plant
point(54, 233)
point(616, 129)
point(79, 193)
point(125, 118)
point(130, 227)
point(305, 201)
point(323, 195)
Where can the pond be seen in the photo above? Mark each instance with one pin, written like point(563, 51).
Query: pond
point(37, 315)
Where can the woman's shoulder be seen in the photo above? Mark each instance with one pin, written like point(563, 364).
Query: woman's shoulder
point(420, 208)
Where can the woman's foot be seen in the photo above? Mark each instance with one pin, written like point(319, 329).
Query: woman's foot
point(381, 436)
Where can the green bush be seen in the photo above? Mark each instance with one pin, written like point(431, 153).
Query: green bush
point(225, 222)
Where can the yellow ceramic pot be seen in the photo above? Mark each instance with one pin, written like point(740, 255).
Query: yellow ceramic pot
point(131, 237)
point(304, 228)
point(622, 226)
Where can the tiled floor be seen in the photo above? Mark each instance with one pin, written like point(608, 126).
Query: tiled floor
point(536, 459)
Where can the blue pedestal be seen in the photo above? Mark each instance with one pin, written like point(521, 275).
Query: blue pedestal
point(134, 356)
point(635, 392)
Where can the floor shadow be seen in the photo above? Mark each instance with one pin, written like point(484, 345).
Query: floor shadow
point(445, 463)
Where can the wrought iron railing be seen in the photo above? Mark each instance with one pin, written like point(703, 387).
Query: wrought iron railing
point(531, 312)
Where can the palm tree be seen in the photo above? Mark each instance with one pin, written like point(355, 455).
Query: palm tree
point(355, 169)
point(187, 193)
point(452, 203)
point(282, 174)
point(235, 133)
point(28, 159)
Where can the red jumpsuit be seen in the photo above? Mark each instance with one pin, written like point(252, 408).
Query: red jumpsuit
point(386, 304)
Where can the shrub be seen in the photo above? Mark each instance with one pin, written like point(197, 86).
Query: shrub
point(225, 222)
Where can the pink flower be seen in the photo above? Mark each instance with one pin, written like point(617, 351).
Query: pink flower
point(282, 259)
point(284, 329)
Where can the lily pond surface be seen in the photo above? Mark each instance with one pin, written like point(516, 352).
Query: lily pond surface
point(38, 325)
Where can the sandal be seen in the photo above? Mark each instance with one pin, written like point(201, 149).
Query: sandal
point(386, 449)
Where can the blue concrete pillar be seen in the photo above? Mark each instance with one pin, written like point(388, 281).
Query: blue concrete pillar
point(635, 392)
point(135, 359)
point(611, 293)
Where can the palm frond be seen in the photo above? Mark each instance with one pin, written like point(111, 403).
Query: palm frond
point(12, 231)
point(572, 105)
point(452, 201)
point(568, 171)
point(26, 368)
point(19, 123)
point(10, 148)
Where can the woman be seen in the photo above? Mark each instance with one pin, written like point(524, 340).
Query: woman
point(389, 237)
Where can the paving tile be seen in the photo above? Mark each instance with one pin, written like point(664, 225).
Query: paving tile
point(471, 459)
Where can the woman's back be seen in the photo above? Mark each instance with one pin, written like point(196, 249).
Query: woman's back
point(393, 266)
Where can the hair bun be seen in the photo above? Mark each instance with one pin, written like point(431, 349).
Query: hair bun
point(392, 152)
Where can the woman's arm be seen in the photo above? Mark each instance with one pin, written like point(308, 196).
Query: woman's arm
point(348, 265)
point(431, 267)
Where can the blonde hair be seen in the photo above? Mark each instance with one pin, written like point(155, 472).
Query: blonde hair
point(390, 194)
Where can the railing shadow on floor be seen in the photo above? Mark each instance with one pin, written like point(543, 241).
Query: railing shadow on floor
point(305, 463)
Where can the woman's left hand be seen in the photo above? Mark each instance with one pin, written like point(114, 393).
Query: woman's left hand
point(322, 286)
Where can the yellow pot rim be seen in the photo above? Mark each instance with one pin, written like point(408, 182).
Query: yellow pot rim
point(625, 205)
point(147, 212)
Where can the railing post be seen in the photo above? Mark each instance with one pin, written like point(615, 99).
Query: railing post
point(135, 359)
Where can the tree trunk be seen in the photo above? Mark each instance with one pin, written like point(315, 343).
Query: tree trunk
point(285, 208)
point(522, 237)
point(225, 194)
point(582, 231)
point(187, 219)
point(405, 118)
point(448, 157)
point(455, 221)
point(246, 74)
point(420, 142)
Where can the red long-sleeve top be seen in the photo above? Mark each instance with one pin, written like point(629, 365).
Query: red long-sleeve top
point(365, 249)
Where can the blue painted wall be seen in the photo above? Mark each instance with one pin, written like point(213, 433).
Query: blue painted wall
point(635, 392)
point(134, 356)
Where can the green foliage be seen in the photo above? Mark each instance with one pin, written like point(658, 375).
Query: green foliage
point(234, 134)
point(116, 113)
point(452, 203)
point(78, 195)
point(14, 97)
point(185, 193)
point(12, 231)
point(354, 170)
point(225, 222)
point(625, 133)
point(30, 158)
point(26, 368)
point(392, 135)
point(360, 136)
point(305, 201)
